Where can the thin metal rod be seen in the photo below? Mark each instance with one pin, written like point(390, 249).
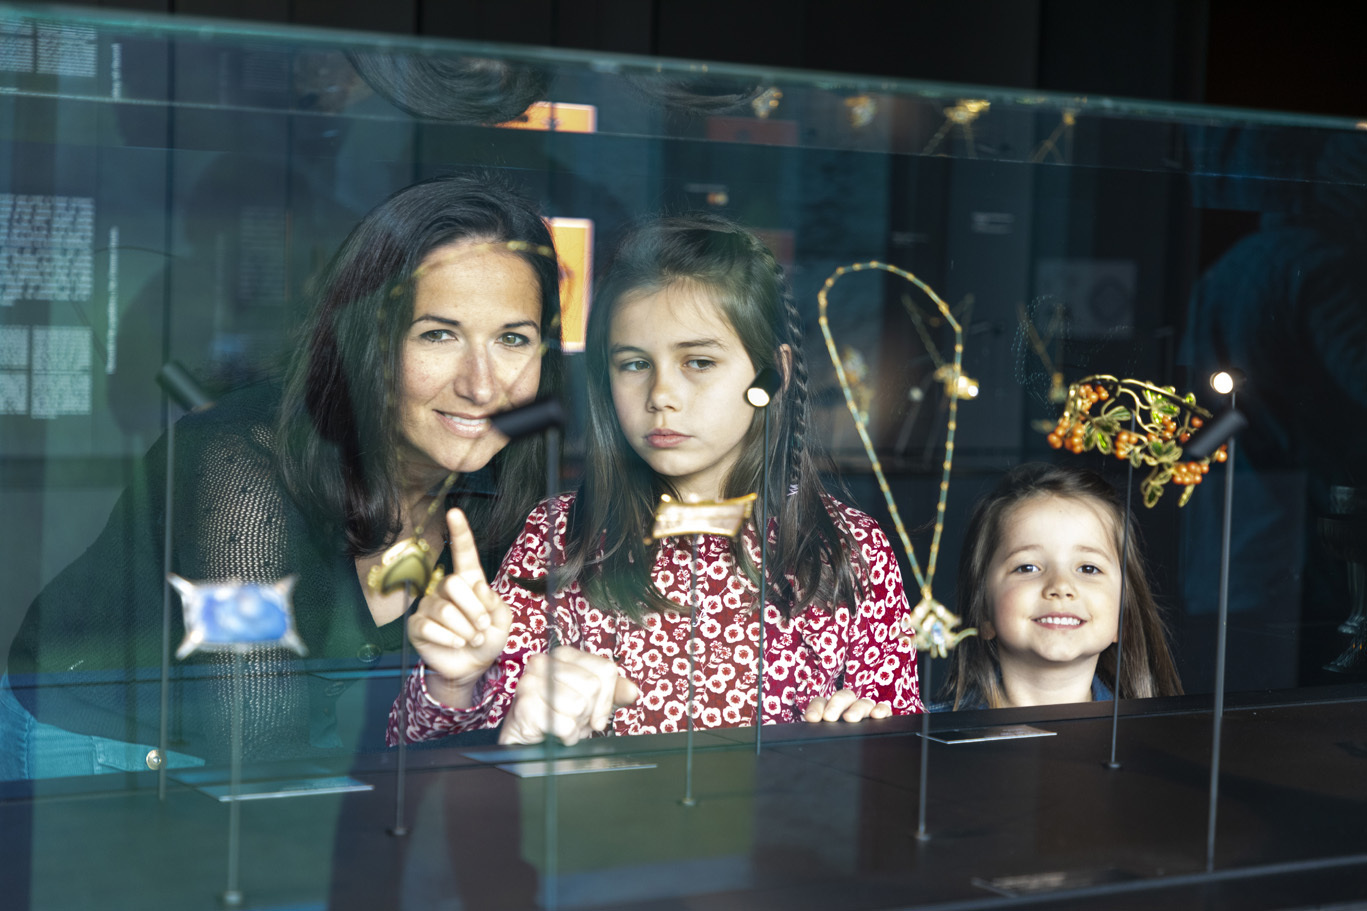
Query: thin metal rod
point(688, 799)
point(162, 735)
point(763, 585)
point(1220, 637)
point(1120, 633)
point(232, 895)
point(399, 828)
point(552, 831)
point(170, 189)
point(921, 833)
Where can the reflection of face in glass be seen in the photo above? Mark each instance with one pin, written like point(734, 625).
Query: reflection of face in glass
point(1054, 590)
point(679, 375)
point(473, 349)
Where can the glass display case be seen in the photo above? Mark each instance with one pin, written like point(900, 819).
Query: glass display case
point(978, 279)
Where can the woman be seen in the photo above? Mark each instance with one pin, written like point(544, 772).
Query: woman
point(438, 311)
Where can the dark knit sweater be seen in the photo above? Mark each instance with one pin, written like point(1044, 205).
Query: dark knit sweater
point(88, 655)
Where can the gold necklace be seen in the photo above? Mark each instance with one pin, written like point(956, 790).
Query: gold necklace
point(931, 624)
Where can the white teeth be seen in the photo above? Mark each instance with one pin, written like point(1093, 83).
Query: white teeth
point(1059, 621)
point(466, 422)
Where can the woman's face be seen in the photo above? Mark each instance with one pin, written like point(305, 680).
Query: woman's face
point(472, 349)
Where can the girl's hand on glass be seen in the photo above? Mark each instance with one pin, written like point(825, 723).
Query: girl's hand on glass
point(845, 705)
point(461, 628)
point(569, 693)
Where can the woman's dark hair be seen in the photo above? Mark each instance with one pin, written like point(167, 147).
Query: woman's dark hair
point(1147, 670)
point(339, 427)
point(605, 547)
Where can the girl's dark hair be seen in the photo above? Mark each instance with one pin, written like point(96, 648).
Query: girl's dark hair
point(605, 547)
point(1148, 669)
point(339, 427)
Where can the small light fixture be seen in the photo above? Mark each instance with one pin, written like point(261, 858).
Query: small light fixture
point(1214, 434)
point(1226, 381)
point(762, 388)
point(528, 419)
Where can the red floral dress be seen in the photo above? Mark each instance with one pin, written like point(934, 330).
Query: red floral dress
point(824, 649)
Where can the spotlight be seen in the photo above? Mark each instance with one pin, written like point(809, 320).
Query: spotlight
point(176, 382)
point(1217, 431)
point(763, 387)
point(1226, 381)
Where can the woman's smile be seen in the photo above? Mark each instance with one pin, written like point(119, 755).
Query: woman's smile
point(468, 427)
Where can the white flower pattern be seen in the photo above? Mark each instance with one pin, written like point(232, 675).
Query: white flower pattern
point(812, 655)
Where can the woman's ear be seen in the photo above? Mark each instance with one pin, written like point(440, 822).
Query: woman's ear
point(987, 631)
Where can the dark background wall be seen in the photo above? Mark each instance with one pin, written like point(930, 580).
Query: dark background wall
point(1284, 56)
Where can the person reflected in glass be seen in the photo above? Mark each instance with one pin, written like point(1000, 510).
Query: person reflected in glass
point(438, 311)
point(690, 311)
point(1039, 578)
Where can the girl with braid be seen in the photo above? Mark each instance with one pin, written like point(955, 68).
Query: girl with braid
point(692, 309)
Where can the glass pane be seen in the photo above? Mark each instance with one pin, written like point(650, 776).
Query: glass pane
point(220, 254)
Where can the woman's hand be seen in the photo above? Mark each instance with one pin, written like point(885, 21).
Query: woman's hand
point(568, 693)
point(461, 628)
point(845, 705)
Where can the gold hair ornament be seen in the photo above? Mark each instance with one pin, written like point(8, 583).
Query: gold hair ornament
point(764, 104)
point(411, 563)
point(962, 116)
point(1063, 132)
point(704, 517)
point(1163, 421)
point(862, 110)
point(931, 625)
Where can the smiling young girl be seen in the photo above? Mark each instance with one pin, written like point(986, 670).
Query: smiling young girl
point(691, 310)
point(1040, 579)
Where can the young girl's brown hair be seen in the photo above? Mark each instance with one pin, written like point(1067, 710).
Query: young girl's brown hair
point(606, 551)
point(975, 674)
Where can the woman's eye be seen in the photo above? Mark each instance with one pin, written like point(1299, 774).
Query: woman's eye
point(437, 335)
point(1089, 568)
point(514, 340)
point(700, 363)
point(632, 366)
point(1026, 568)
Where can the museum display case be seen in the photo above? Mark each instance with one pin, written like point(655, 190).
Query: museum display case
point(984, 278)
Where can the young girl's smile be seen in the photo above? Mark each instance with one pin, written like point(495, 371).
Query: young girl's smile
point(1054, 586)
point(679, 375)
